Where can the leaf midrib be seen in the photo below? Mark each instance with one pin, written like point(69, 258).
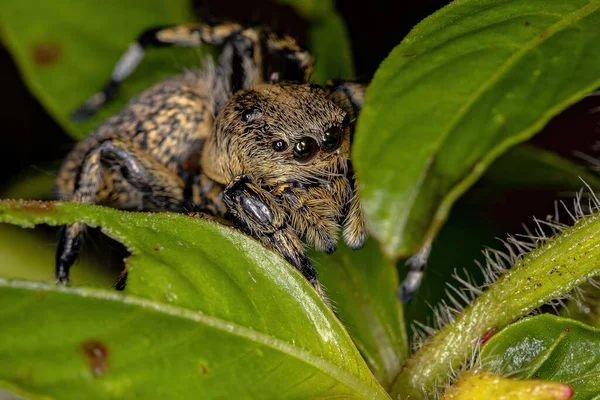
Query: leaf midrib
point(331, 370)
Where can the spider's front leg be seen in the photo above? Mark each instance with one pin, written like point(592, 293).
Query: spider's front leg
point(350, 97)
point(257, 212)
point(116, 171)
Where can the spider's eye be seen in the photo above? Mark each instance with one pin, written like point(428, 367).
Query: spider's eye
point(248, 114)
point(305, 149)
point(280, 145)
point(332, 139)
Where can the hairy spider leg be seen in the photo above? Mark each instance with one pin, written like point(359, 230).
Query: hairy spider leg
point(241, 60)
point(416, 264)
point(128, 167)
point(349, 96)
point(256, 211)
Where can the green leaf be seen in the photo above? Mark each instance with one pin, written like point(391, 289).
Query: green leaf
point(470, 81)
point(531, 167)
point(66, 49)
point(363, 287)
point(94, 344)
point(548, 347)
point(550, 271)
point(198, 268)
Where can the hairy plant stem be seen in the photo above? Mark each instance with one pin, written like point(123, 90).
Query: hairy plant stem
point(548, 272)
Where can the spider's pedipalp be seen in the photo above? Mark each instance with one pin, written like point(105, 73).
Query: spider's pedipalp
point(257, 211)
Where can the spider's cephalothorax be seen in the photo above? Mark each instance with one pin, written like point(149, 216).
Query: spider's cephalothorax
point(270, 151)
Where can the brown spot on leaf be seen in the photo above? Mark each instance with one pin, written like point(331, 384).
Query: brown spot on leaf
point(544, 35)
point(410, 53)
point(96, 353)
point(526, 23)
point(45, 54)
point(567, 330)
point(203, 369)
point(40, 295)
point(24, 375)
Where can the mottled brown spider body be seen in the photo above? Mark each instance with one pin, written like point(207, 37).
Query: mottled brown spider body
point(269, 154)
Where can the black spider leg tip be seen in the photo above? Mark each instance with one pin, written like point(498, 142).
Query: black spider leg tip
point(66, 255)
point(412, 282)
point(94, 103)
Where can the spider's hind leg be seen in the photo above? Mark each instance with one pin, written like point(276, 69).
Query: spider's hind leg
point(135, 179)
point(249, 55)
point(192, 35)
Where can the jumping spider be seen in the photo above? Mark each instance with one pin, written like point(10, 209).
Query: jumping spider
point(246, 139)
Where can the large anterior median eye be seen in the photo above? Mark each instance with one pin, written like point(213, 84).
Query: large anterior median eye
point(332, 139)
point(305, 149)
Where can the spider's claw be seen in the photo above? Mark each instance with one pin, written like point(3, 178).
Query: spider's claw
point(89, 108)
point(410, 286)
point(67, 252)
point(412, 282)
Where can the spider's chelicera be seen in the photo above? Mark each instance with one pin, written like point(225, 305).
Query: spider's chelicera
point(244, 140)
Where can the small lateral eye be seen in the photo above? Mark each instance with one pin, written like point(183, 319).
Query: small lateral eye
point(305, 149)
point(266, 127)
point(280, 145)
point(332, 139)
point(248, 114)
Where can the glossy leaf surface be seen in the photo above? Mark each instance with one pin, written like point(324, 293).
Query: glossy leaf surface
point(470, 81)
point(362, 287)
point(199, 268)
point(548, 347)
